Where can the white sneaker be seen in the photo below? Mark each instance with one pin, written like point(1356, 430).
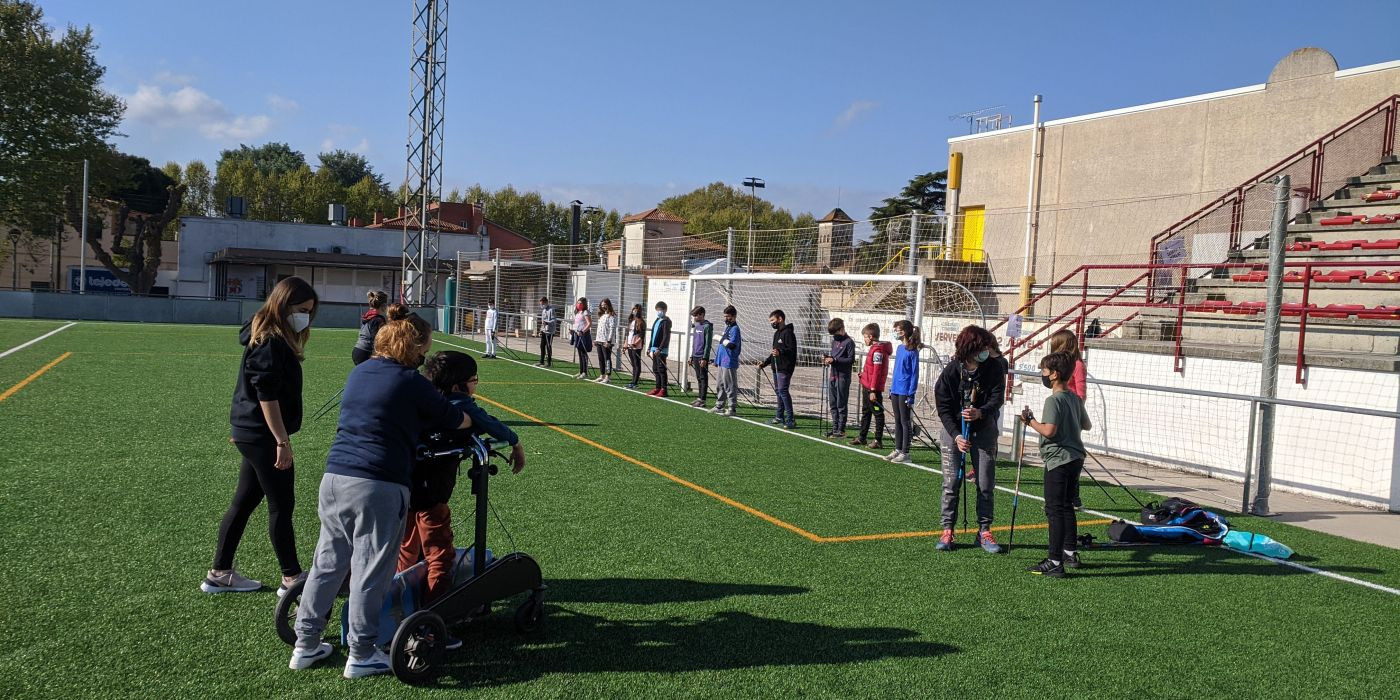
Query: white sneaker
point(302, 659)
point(901, 458)
point(890, 457)
point(286, 586)
point(228, 582)
point(376, 664)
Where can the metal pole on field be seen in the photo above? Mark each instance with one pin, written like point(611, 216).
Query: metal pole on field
point(1268, 370)
point(621, 300)
point(1028, 265)
point(689, 338)
point(913, 264)
point(82, 247)
point(496, 295)
point(549, 272)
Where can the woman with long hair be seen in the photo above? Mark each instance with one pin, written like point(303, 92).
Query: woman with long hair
point(364, 494)
point(266, 411)
point(582, 336)
point(970, 390)
point(636, 335)
point(607, 330)
point(370, 323)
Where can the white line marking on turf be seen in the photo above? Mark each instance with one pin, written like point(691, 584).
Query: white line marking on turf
point(17, 348)
point(939, 474)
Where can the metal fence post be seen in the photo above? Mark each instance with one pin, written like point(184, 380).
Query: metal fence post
point(549, 271)
point(1268, 370)
point(913, 264)
point(496, 295)
point(621, 304)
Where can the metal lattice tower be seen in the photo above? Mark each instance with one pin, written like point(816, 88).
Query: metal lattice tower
point(423, 181)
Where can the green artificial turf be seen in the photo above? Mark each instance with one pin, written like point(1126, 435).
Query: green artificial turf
point(117, 469)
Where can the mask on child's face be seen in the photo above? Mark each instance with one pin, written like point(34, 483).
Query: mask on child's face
point(660, 313)
point(776, 325)
point(578, 307)
point(982, 356)
point(1045, 379)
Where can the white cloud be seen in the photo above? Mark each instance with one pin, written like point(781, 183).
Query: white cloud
point(857, 109)
point(282, 104)
point(341, 135)
point(166, 77)
point(191, 107)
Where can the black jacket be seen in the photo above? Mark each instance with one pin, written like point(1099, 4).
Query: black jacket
point(270, 371)
point(435, 479)
point(785, 342)
point(989, 383)
point(843, 354)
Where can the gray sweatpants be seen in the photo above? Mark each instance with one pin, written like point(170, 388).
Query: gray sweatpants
point(727, 387)
point(361, 528)
point(984, 449)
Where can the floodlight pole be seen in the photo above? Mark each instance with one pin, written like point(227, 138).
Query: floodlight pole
point(621, 302)
point(752, 183)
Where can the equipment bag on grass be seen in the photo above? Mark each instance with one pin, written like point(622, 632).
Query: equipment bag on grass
point(1179, 521)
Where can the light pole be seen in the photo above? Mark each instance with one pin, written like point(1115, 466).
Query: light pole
point(752, 183)
point(14, 259)
point(591, 215)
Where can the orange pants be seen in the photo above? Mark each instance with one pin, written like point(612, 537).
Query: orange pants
point(428, 535)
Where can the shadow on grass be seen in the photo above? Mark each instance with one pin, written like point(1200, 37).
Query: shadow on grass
point(532, 424)
point(576, 642)
point(1202, 560)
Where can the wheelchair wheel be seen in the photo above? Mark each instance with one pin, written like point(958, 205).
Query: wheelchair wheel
point(530, 614)
point(286, 614)
point(417, 646)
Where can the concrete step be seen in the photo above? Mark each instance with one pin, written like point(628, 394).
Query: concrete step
point(1337, 335)
point(1374, 181)
point(1317, 231)
point(1312, 356)
point(1321, 294)
point(1327, 256)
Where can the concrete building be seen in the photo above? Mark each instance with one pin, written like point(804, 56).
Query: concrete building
point(653, 238)
point(54, 265)
point(1108, 182)
point(835, 234)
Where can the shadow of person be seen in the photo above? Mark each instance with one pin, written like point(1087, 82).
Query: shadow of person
point(651, 591)
point(1197, 559)
point(579, 643)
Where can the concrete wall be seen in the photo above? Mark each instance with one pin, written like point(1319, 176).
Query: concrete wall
point(1109, 182)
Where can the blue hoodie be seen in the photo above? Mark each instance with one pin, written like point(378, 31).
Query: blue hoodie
point(731, 344)
point(906, 371)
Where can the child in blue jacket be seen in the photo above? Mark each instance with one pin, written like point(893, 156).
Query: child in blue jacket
point(902, 387)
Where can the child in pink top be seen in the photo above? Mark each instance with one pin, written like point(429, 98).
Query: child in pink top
point(1066, 342)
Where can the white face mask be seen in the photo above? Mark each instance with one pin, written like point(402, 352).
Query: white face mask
point(300, 321)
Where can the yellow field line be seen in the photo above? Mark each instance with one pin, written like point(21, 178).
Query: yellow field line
point(11, 391)
point(659, 472)
point(936, 533)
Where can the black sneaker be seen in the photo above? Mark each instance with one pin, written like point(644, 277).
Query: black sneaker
point(1078, 504)
point(1048, 568)
point(1071, 561)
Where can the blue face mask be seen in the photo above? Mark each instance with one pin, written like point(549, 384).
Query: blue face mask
point(661, 314)
point(982, 356)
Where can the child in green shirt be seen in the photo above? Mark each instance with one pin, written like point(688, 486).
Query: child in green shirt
point(1063, 452)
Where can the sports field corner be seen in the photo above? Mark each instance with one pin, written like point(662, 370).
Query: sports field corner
point(686, 554)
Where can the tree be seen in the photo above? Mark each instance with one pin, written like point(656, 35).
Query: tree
point(54, 114)
point(366, 197)
point(926, 193)
point(349, 168)
point(199, 190)
point(275, 158)
point(145, 200)
point(718, 206)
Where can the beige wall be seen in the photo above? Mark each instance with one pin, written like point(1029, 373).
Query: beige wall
point(1110, 182)
point(37, 262)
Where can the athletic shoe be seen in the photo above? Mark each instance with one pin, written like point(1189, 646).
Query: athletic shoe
point(790, 426)
point(302, 659)
point(877, 446)
point(663, 394)
point(287, 584)
point(1078, 504)
point(732, 412)
point(776, 421)
point(1071, 560)
point(890, 457)
point(989, 543)
point(376, 664)
point(698, 403)
point(1048, 568)
point(901, 458)
point(229, 582)
point(839, 434)
point(858, 442)
point(717, 409)
point(453, 644)
point(945, 542)
point(631, 386)
point(653, 392)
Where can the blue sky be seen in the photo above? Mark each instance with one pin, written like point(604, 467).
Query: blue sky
point(621, 104)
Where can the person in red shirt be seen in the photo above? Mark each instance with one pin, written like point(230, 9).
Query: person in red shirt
point(1065, 341)
point(872, 384)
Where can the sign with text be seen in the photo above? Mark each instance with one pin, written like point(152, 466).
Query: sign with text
point(99, 280)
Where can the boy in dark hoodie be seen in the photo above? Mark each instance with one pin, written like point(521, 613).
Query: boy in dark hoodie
point(428, 532)
point(872, 385)
point(839, 361)
point(783, 357)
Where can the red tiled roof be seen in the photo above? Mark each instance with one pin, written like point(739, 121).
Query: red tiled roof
point(463, 217)
point(835, 215)
point(653, 215)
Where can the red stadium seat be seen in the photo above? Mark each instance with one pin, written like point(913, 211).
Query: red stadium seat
point(1383, 219)
point(1248, 308)
point(1341, 245)
point(1343, 220)
point(1295, 309)
point(1256, 276)
point(1299, 246)
point(1383, 244)
point(1211, 306)
point(1339, 276)
point(1292, 276)
point(1382, 196)
point(1381, 313)
point(1339, 310)
point(1381, 277)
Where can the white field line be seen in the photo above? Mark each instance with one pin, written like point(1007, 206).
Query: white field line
point(17, 348)
point(939, 474)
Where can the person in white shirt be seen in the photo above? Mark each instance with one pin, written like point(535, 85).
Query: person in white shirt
point(607, 330)
point(491, 321)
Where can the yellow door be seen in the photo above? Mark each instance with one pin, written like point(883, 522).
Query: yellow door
point(972, 223)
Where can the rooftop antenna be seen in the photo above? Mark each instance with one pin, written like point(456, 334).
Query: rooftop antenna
point(981, 120)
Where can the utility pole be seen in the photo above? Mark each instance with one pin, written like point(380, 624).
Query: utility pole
point(752, 183)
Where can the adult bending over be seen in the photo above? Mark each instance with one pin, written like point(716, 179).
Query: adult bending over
point(364, 494)
point(266, 412)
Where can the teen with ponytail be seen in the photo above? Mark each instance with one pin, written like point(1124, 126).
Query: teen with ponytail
point(903, 383)
point(364, 495)
point(266, 412)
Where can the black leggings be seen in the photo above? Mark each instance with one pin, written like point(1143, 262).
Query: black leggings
point(604, 358)
point(1059, 509)
point(259, 477)
point(635, 355)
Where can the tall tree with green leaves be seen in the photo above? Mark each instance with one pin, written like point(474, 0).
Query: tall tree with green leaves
point(272, 157)
point(926, 193)
point(719, 206)
point(349, 167)
point(53, 114)
point(199, 190)
point(143, 202)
